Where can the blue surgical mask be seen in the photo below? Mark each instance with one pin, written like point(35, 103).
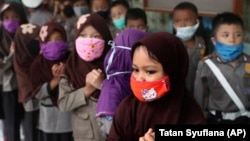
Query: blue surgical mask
point(186, 33)
point(119, 23)
point(228, 52)
point(80, 10)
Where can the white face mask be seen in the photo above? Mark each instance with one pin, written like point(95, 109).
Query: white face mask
point(186, 33)
point(80, 10)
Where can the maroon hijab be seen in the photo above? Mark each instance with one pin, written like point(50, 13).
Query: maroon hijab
point(133, 118)
point(26, 49)
point(41, 67)
point(5, 36)
point(76, 68)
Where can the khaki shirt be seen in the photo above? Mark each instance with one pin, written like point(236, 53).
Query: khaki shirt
point(84, 123)
point(211, 95)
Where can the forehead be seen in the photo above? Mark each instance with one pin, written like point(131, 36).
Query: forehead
point(9, 12)
point(135, 22)
point(100, 3)
point(118, 7)
point(141, 57)
point(55, 34)
point(229, 28)
point(184, 13)
point(89, 28)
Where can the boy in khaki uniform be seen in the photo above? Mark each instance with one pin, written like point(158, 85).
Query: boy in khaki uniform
point(222, 103)
point(189, 29)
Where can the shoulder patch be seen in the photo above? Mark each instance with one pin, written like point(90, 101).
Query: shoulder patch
point(247, 68)
point(202, 52)
point(206, 57)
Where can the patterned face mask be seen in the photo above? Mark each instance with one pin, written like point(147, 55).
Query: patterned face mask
point(89, 49)
point(149, 91)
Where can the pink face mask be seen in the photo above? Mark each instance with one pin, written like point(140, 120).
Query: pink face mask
point(89, 49)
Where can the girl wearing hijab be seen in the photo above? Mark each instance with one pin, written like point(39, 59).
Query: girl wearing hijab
point(26, 49)
point(80, 86)
point(46, 69)
point(12, 16)
point(118, 68)
point(158, 85)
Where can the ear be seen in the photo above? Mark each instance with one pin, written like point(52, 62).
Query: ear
point(213, 40)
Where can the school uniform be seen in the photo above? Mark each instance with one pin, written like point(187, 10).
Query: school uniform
point(51, 119)
point(53, 124)
point(194, 55)
point(212, 97)
point(84, 124)
point(13, 111)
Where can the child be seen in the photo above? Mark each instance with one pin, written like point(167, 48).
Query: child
point(187, 27)
point(225, 104)
point(81, 7)
point(39, 12)
point(46, 70)
point(26, 49)
point(118, 68)
point(136, 18)
point(12, 15)
point(101, 7)
point(80, 86)
point(69, 20)
point(158, 86)
point(118, 10)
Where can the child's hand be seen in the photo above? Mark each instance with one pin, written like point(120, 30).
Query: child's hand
point(149, 136)
point(12, 48)
point(97, 77)
point(57, 70)
point(88, 89)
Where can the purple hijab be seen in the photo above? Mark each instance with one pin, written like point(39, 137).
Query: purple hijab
point(118, 67)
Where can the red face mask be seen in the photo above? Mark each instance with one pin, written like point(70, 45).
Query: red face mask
point(149, 91)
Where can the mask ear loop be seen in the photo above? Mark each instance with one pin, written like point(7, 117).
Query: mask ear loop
point(111, 58)
point(112, 44)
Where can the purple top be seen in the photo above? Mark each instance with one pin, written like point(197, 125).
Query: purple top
point(118, 67)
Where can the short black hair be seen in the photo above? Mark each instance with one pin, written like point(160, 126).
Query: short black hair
point(226, 18)
point(120, 2)
point(135, 14)
point(186, 5)
point(68, 11)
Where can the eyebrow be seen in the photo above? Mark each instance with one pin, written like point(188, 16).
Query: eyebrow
point(148, 66)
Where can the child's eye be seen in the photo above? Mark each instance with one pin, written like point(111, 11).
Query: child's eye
point(188, 20)
point(150, 72)
point(135, 70)
point(225, 35)
point(97, 36)
point(82, 35)
point(238, 35)
point(176, 21)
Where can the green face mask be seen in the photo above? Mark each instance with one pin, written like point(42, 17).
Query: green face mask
point(119, 23)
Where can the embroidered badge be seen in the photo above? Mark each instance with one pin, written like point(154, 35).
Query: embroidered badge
point(43, 33)
point(247, 68)
point(82, 20)
point(28, 28)
point(5, 6)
